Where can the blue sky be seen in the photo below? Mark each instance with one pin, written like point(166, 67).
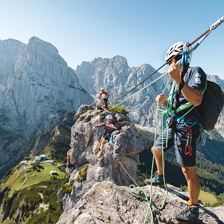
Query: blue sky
point(140, 30)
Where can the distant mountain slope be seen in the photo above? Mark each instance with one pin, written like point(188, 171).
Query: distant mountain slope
point(28, 194)
point(36, 88)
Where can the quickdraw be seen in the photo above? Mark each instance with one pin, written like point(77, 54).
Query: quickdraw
point(188, 148)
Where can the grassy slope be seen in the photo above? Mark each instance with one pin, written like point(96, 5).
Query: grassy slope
point(24, 176)
point(30, 188)
point(208, 198)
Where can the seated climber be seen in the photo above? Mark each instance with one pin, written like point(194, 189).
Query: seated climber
point(69, 163)
point(102, 99)
point(109, 134)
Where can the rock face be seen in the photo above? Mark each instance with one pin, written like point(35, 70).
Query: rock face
point(100, 193)
point(108, 203)
point(84, 140)
point(36, 88)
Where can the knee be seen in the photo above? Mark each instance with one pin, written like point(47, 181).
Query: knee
point(155, 150)
point(189, 172)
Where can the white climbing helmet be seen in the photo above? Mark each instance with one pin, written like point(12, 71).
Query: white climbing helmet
point(174, 50)
point(109, 117)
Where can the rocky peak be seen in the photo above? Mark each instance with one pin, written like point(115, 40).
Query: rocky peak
point(42, 78)
point(101, 73)
point(10, 49)
point(38, 43)
point(105, 166)
point(38, 91)
point(38, 48)
point(41, 58)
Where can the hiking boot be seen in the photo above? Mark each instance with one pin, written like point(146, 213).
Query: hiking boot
point(157, 180)
point(189, 214)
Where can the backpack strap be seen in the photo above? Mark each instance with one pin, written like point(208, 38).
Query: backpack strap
point(170, 109)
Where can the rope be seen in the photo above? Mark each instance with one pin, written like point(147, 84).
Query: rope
point(128, 174)
point(163, 160)
point(140, 194)
point(142, 81)
point(140, 90)
point(150, 202)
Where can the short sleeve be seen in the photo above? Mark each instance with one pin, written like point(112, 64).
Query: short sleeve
point(198, 79)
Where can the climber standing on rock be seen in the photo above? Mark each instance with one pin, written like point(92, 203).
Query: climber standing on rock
point(183, 128)
point(102, 99)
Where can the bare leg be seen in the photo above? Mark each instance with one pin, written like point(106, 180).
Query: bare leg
point(158, 158)
point(102, 142)
point(193, 185)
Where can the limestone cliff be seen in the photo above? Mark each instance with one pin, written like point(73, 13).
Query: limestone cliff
point(36, 89)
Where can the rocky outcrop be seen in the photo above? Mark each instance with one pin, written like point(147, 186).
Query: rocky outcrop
point(100, 193)
point(37, 89)
point(85, 139)
point(108, 203)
